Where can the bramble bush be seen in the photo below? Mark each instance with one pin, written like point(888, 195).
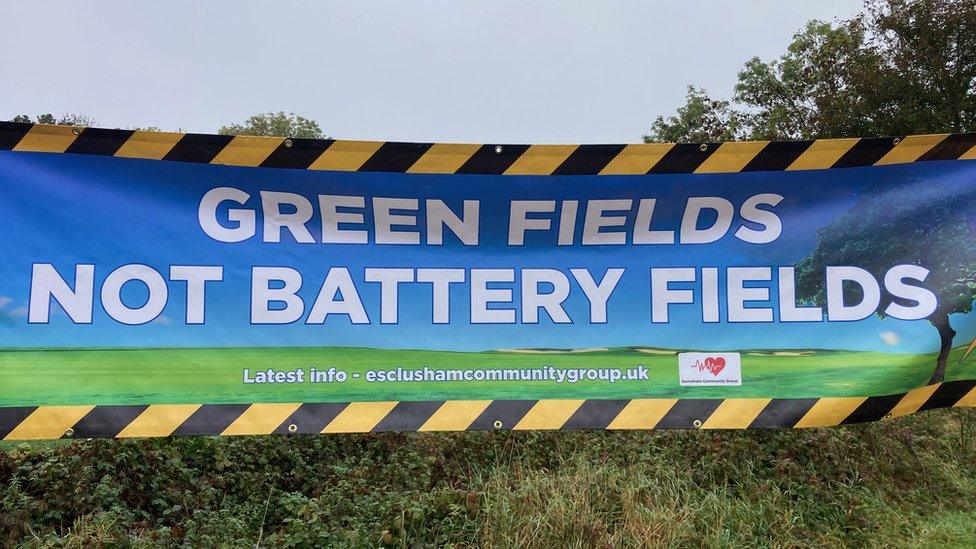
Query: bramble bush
point(903, 482)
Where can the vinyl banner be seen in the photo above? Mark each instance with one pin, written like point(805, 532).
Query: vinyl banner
point(158, 284)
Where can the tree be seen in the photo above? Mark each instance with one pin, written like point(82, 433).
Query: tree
point(700, 119)
point(63, 120)
point(279, 124)
point(900, 67)
point(818, 88)
point(934, 229)
point(928, 82)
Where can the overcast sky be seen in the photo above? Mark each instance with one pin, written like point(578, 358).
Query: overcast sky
point(500, 71)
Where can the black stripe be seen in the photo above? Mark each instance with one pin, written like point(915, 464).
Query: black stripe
point(873, 409)
point(684, 158)
point(301, 154)
point(10, 418)
point(684, 413)
point(99, 141)
point(948, 394)
point(588, 159)
point(210, 419)
point(408, 416)
point(776, 156)
point(951, 147)
point(866, 152)
point(486, 161)
point(11, 133)
point(198, 147)
point(311, 418)
point(508, 412)
point(785, 412)
point(595, 414)
point(106, 421)
point(395, 157)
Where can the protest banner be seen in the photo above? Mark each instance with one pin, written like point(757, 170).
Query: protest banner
point(157, 284)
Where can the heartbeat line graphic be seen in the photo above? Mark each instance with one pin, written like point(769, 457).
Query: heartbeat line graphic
point(711, 364)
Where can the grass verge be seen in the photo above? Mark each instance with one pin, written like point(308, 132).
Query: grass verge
point(906, 482)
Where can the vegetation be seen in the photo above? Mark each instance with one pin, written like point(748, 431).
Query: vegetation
point(872, 235)
point(64, 119)
point(900, 67)
point(276, 124)
point(906, 482)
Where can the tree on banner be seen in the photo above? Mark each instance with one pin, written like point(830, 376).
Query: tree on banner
point(882, 228)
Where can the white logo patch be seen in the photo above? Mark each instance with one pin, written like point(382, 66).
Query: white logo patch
point(704, 369)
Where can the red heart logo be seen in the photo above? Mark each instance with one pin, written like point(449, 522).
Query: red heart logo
point(715, 365)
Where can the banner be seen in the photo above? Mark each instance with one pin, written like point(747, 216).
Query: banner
point(157, 284)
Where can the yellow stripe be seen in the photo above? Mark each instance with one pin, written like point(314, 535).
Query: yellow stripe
point(637, 159)
point(969, 350)
point(830, 411)
point(731, 157)
point(346, 156)
point(642, 413)
point(913, 400)
point(548, 414)
point(48, 422)
point(246, 150)
point(540, 159)
point(444, 158)
point(151, 145)
point(455, 415)
point(735, 413)
point(822, 154)
point(44, 138)
point(910, 149)
point(969, 155)
point(359, 417)
point(967, 401)
point(158, 420)
point(260, 419)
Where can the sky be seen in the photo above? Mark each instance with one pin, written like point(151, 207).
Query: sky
point(501, 71)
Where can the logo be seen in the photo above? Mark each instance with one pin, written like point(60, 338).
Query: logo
point(713, 364)
point(707, 369)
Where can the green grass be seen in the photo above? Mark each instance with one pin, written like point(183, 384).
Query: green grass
point(130, 376)
point(908, 482)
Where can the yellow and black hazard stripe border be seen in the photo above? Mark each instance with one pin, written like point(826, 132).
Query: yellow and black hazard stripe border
point(488, 159)
point(160, 420)
point(123, 421)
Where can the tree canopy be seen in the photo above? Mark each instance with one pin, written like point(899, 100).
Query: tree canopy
point(936, 225)
point(899, 67)
point(935, 228)
point(277, 124)
point(68, 119)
